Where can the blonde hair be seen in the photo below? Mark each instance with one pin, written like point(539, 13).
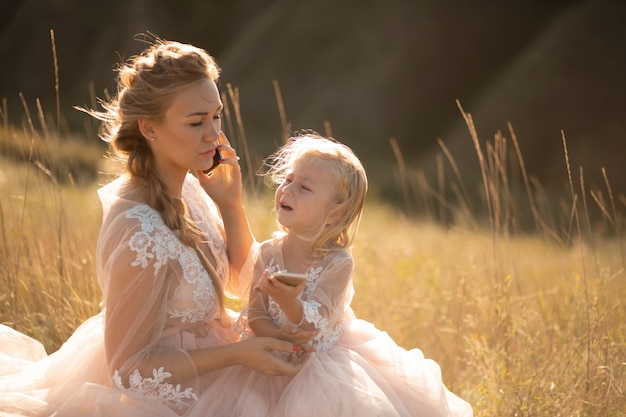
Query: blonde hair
point(347, 176)
point(146, 85)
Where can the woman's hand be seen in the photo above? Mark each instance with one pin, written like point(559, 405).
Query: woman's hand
point(256, 353)
point(224, 183)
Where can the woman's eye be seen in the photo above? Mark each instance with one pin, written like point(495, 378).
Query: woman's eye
point(196, 124)
point(218, 116)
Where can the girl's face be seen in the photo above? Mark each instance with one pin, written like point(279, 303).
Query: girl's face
point(187, 136)
point(305, 196)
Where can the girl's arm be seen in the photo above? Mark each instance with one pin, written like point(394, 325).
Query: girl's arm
point(259, 319)
point(322, 306)
point(261, 323)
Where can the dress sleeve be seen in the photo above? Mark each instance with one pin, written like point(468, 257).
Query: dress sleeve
point(136, 280)
point(325, 300)
point(257, 301)
point(256, 304)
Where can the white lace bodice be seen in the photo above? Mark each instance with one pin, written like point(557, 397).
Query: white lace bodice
point(329, 332)
point(325, 299)
point(194, 300)
point(161, 288)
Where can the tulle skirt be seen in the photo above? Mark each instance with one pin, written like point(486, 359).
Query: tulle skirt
point(74, 380)
point(365, 374)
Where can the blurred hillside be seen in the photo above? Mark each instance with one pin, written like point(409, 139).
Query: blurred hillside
point(374, 70)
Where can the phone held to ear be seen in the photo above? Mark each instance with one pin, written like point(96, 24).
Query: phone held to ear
point(216, 161)
point(290, 278)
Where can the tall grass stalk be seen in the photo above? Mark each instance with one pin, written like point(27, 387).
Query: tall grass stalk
point(522, 323)
point(540, 315)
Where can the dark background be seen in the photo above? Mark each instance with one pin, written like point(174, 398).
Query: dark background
point(373, 69)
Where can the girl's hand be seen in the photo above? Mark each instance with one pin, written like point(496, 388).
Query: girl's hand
point(280, 292)
point(286, 296)
point(292, 333)
point(224, 183)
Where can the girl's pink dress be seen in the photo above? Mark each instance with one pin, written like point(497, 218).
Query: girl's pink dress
point(357, 370)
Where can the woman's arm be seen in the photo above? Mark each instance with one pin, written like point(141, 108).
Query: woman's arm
point(134, 318)
point(137, 281)
point(224, 186)
point(239, 236)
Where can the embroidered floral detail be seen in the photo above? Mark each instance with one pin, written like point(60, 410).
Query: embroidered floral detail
point(155, 243)
point(155, 389)
point(273, 267)
point(328, 333)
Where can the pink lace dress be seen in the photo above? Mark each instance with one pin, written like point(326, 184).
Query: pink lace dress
point(158, 303)
point(357, 370)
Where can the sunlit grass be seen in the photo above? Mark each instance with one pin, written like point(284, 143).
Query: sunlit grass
point(522, 324)
point(47, 243)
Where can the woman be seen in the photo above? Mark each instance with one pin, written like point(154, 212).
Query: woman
point(165, 256)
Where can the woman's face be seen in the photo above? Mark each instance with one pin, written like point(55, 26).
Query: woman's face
point(187, 137)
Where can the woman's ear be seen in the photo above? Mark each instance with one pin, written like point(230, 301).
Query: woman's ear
point(146, 127)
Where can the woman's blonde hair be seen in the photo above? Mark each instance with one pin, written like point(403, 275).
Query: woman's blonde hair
point(347, 177)
point(146, 86)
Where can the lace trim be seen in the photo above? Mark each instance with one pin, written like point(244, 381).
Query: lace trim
point(156, 243)
point(328, 334)
point(206, 215)
point(154, 389)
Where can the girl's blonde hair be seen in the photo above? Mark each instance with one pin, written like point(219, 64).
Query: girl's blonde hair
point(347, 177)
point(146, 85)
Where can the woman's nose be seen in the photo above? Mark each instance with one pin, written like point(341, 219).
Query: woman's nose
point(211, 134)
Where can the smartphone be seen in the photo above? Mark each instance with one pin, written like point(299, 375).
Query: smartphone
point(216, 161)
point(290, 278)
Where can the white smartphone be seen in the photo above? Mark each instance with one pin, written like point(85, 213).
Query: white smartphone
point(289, 278)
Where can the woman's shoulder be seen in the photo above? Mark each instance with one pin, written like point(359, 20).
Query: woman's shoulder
point(125, 211)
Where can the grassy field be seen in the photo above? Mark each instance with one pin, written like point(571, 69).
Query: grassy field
point(522, 324)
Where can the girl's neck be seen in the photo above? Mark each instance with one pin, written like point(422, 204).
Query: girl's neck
point(298, 253)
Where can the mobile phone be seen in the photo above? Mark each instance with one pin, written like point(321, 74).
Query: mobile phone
point(290, 278)
point(216, 161)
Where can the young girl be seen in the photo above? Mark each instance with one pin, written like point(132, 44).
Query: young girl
point(356, 370)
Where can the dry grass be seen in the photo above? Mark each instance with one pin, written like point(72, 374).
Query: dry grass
point(47, 243)
point(521, 324)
